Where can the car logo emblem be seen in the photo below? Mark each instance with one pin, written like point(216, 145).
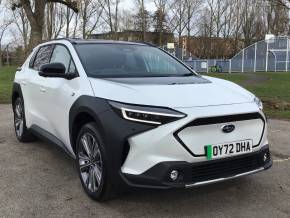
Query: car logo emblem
point(228, 128)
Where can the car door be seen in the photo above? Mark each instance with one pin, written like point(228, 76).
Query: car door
point(33, 92)
point(59, 94)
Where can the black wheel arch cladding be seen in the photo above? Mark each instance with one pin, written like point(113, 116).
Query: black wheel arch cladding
point(16, 92)
point(113, 129)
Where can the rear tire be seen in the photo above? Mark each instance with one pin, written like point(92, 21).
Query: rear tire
point(21, 131)
point(92, 164)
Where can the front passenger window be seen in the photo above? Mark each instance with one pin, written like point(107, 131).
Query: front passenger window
point(61, 55)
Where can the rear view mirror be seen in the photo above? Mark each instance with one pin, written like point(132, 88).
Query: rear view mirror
point(55, 70)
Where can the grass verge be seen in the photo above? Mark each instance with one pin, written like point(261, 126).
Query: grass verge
point(272, 88)
point(6, 81)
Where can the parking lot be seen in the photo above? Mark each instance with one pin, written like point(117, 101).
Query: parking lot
point(39, 180)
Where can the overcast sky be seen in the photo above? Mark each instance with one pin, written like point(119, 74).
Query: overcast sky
point(129, 4)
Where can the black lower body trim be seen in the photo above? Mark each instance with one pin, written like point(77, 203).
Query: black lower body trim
point(46, 136)
point(194, 173)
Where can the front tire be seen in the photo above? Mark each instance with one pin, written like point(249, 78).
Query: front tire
point(21, 131)
point(92, 163)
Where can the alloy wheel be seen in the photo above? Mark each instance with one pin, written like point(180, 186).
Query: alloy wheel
point(90, 162)
point(18, 118)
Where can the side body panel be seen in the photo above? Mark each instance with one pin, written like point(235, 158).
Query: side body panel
point(48, 101)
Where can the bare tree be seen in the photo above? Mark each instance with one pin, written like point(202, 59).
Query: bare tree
point(35, 12)
point(284, 3)
point(177, 21)
point(90, 13)
point(55, 20)
point(111, 14)
point(22, 24)
point(3, 28)
point(192, 7)
point(144, 17)
point(126, 21)
point(160, 18)
point(278, 17)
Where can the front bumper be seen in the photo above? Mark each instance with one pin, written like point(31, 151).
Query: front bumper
point(196, 174)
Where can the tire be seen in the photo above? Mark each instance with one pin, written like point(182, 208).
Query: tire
point(92, 164)
point(21, 131)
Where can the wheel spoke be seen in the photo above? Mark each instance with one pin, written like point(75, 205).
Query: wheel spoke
point(83, 157)
point(84, 162)
point(97, 153)
point(91, 184)
point(21, 127)
point(86, 146)
point(18, 110)
point(98, 174)
point(93, 181)
point(17, 123)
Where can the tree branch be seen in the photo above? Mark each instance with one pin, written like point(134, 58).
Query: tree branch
point(71, 4)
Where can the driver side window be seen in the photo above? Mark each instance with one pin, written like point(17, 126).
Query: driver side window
point(60, 54)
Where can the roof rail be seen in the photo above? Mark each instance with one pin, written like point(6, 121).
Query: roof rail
point(148, 43)
point(68, 39)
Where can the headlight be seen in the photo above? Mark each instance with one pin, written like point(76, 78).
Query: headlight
point(259, 103)
point(146, 114)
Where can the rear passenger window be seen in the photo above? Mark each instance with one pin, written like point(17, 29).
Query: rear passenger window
point(42, 57)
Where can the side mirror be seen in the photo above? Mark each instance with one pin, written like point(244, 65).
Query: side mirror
point(55, 70)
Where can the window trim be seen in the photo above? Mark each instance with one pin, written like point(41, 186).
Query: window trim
point(32, 60)
point(71, 58)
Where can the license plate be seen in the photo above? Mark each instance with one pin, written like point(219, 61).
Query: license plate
point(228, 149)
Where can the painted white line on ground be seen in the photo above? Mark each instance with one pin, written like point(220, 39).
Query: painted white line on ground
point(281, 160)
point(274, 131)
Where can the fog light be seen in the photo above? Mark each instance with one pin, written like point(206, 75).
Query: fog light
point(265, 158)
point(174, 175)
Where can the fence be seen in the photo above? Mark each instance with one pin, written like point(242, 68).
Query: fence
point(271, 55)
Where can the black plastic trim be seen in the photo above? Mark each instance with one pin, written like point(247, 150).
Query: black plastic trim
point(46, 136)
point(216, 120)
point(157, 177)
point(113, 129)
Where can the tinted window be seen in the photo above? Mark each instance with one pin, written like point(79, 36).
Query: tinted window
point(60, 54)
point(42, 57)
point(123, 60)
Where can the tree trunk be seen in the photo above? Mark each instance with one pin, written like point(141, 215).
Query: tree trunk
point(67, 22)
point(143, 22)
point(36, 17)
point(1, 61)
point(35, 36)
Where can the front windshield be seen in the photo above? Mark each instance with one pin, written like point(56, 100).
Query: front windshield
point(124, 60)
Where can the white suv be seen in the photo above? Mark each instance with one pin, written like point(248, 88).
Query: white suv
point(132, 115)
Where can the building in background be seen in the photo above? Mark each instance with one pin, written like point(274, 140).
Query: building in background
point(210, 47)
point(135, 36)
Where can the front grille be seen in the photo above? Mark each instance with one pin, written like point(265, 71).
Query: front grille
point(217, 120)
point(225, 119)
point(225, 168)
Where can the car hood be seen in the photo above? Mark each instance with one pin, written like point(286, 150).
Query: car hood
point(171, 92)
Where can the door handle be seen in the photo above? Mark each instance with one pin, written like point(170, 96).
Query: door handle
point(42, 90)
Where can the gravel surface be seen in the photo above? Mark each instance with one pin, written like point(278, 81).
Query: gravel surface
point(39, 180)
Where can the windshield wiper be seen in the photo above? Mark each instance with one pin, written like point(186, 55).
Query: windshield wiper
point(189, 74)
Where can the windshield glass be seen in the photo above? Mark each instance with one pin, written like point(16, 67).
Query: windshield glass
point(123, 60)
